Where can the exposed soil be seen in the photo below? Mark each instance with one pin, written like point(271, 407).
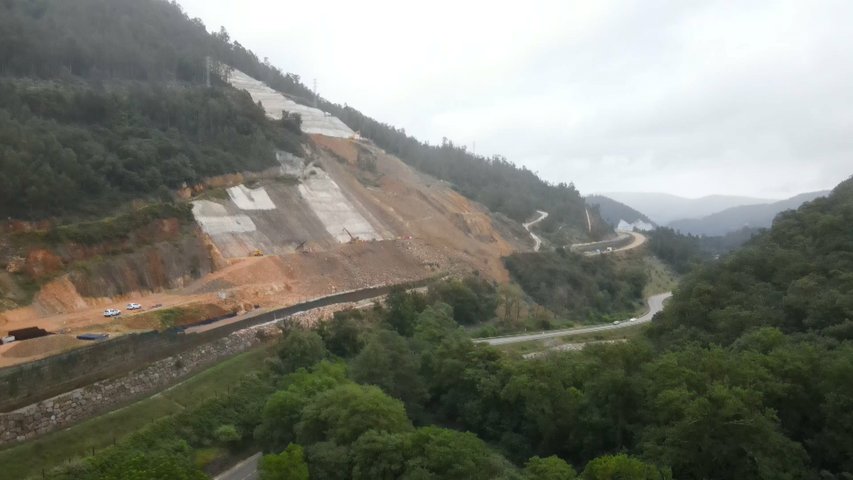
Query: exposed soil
point(37, 347)
point(428, 229)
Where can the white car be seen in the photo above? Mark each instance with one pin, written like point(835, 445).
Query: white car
point(134, 306)
point(112, 312)
point(632, 319)
point(616, 322)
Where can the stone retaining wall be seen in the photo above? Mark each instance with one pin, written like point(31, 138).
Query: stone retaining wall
point(79, 404)
point(82, 403)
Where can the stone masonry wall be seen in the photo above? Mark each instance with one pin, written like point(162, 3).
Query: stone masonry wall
point(82, 403)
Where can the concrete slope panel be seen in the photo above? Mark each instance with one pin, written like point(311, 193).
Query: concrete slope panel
point(314, 121)
point(214, 219)
point(335, 210)
point(250, 198)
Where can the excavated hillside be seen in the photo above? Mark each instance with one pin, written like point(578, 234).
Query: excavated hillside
point(344, 215)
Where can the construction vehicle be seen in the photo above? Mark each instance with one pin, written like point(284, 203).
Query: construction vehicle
point(352, 238)
point(257, 253)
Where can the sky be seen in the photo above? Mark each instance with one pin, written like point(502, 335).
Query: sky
point(683, 97)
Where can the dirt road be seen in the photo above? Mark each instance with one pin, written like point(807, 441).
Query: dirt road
point(537, 241)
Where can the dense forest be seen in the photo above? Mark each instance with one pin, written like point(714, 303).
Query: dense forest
point(74, 150)
point(685, 252)
point(99, 106)
point(797, 277)
point(585, 288)
point(744, 375)
point(72, 55)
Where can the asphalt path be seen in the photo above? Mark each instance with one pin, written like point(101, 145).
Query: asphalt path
point(637, 239)
point(245, 470)
point(538, 241)
point(655, 303)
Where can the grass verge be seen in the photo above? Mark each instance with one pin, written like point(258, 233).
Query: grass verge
point(29, 459)
point(521, 348)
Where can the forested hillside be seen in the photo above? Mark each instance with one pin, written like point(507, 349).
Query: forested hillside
point(104, 102)
point(88, 127)
point(579, 287)
point(797, 277)
point(612, 211)
point(71, 149)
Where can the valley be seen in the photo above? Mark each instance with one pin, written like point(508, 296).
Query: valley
point(212, 269)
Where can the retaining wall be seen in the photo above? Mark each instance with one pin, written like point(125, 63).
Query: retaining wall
point(79, 404)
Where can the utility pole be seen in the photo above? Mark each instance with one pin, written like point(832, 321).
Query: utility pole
point(207, 71)
point(315, 93)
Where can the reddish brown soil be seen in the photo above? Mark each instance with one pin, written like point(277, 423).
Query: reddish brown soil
point(438, 231)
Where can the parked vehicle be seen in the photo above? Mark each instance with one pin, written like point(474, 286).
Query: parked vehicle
point(134, 306)
point(112, 312)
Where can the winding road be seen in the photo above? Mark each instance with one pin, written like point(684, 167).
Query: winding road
point(655, 305)
point(245, 470)
point(537, 241)
point(637, 239)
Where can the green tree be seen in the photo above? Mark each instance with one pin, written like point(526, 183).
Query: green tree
point(549, 468)
point(227, 434)
point(301, 348)
point(328, 461)
point(427, 453)
point(283, 409)
point(388, 362)
point(624, 467)
point(343, 413)
point(343, 333)
point(403, 308)
point(287, 465)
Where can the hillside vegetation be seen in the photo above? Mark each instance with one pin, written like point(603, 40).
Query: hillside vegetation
point(580, 287)
point(612, 211)
point(104, 102)
point(795, 277)
point(745, 376)
point(99, 144)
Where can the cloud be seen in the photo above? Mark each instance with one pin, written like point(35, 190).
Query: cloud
point(690, 98)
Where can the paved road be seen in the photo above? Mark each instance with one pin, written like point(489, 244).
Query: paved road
point(536, 239)
point(245, 470)
point(637, 239)
point(655, 305)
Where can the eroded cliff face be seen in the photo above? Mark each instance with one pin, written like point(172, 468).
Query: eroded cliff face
point(155, 267)
point(63, 277)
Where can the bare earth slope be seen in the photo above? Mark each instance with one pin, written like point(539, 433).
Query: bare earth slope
point(345, 215)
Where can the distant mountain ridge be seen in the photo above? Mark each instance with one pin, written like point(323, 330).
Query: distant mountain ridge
point(735, 218)
point(663, 208)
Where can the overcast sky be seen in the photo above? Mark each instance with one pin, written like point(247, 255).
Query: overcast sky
point(685, 97)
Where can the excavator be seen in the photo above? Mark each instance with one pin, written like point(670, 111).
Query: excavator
point(352, 238)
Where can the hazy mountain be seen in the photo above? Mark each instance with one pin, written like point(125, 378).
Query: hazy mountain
point(612, 211)
point(735, 218)
point(663, 208)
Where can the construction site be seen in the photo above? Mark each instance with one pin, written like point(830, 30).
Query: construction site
point(343, 216)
